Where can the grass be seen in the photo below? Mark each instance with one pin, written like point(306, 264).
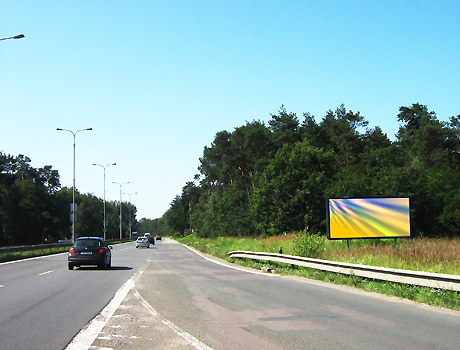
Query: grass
point(5, 257)
point(31, 254)
point(421, 254)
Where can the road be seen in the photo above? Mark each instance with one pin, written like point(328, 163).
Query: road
point(43, 305)
point(184, 301)
point(226, 308)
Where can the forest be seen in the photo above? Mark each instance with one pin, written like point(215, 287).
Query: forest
point(34, 209)
point(264, 180)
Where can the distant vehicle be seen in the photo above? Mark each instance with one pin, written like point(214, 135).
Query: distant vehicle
point(158, 238)
point(150, 238)
point(63, 240)
point(142, 242)
point(90, 251)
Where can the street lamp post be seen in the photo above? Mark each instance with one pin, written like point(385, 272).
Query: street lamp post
point(121, 184)
point(73, 187)
point(20, 36)
point(104, 224)
point(130, 223)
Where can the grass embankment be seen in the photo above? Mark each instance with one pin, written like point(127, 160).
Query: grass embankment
point(421, 254)
point(31, 254)
point(41, 252)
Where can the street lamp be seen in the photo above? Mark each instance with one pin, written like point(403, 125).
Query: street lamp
point(121, 184)
point(73, 187)
point(130, 223)
point(20, 36)
point(104, 230)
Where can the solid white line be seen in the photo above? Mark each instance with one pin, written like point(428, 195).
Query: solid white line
point(86, 337)
point(45, 273)
point(197, 344)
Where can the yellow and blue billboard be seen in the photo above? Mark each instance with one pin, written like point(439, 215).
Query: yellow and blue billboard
point(370, 217)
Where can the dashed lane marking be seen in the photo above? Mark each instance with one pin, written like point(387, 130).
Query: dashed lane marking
point(45, 273)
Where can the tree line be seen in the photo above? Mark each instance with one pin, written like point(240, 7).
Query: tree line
point(264, 180)
point(34, 209)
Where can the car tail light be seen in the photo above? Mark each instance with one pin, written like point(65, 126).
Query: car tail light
point(101, 251)
point(71, 251)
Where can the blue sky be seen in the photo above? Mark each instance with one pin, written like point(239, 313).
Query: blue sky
point(156, 80)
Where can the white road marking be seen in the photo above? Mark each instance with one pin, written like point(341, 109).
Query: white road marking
point(37, 257)
point(187, 336)
point(86, 337)
point(45, 273)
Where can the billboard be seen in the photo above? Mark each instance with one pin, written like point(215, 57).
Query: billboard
point(368, 217)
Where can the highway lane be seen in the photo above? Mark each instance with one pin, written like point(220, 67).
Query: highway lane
point(43, 305)
point(231, 309)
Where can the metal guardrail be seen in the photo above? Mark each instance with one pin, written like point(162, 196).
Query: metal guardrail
point(425, 279)
point(28, 248)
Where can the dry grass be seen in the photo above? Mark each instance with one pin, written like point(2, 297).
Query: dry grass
point(422, 254)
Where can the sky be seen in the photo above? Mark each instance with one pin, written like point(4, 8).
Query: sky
point(156, 80)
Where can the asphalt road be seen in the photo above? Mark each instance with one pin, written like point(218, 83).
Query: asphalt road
point(181, 300)
point(43, 305)
point(221, 308)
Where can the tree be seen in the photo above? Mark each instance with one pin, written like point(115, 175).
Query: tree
point(290, 194)
point(285, 127)
point(27, 213)
point(339, 131)
point(428, 141)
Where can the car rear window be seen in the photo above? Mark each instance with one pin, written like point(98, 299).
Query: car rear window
point(88, 243)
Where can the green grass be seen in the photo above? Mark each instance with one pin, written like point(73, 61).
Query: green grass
point(41, 252)
point(31, 254)
point(429, 255)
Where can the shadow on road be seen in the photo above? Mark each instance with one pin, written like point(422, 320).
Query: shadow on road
point(113, 268)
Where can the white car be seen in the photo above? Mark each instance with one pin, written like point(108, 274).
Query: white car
point(142, 242)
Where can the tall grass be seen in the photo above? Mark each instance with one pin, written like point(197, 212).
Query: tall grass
point(420, 254)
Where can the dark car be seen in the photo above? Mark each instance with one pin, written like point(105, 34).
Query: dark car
point(90, 251)
point(158, 238)
point(150, 238)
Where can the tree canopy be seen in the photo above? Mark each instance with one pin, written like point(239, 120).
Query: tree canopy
point(34, 209)
point(263, 180)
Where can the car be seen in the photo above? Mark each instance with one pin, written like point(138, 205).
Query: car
point(150, 238)
point(62, 240)
point(142, 242)
point(158, 238)
point(90, 251)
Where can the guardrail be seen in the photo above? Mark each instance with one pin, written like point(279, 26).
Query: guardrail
point(28, 248)
point(425, 279)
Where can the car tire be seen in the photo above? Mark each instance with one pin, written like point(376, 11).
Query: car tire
point(70, 266)
point(137, 247)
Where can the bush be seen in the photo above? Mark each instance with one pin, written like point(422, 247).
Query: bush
point(309, 246)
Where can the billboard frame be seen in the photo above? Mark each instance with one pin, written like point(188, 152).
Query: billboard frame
point(376, 201)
